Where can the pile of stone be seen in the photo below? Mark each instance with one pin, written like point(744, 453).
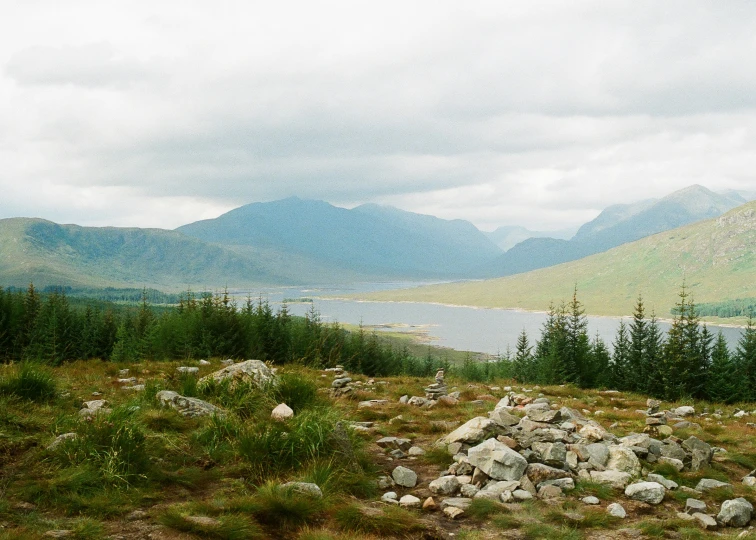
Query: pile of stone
point(437, 389)
point(342, 384)
point(435, 393)
point(511, 457)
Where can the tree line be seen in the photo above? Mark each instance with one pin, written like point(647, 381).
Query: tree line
point(50, 328)
point(688, 362)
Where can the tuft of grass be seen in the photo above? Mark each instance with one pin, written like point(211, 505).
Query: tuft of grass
point(218, 436)
point(30, 382)
point(297, 392)
point(506, 522)
point(229, 527)
point(437, 455)
point(484, 508)
point(87, 529)
point(588, 519)
point(538, 531)
point(384, 522)
point(583, 488)
point(283, 508)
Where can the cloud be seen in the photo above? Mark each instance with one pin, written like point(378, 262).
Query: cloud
point(539, 114)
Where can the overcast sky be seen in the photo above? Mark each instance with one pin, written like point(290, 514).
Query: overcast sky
point(503, 113)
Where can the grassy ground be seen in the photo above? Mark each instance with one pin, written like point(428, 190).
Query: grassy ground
point(142, 471)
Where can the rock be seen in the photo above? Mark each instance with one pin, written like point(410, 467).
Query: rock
point(187, 406)
point(550, 492)
point(665, 430)
point(616, 479)
point(371, 403)
point(494, 490)
point(624, 460)
point(60, 439)
point(597, 454)
point(648, 492)
point(204, 362)
point(554, 454)
point(305, 488)
point(203, 521)
point(503, 418)
point(249, 371)
point(129, 380)
point(705, 521)
point(685, 411)
point(497, 460)
point(616, 510)
point(522, 495)
point(462, 503)
point(449, 401)
point(385, 482)
point(404, 477)
point(137, 515)
point(676, 463)
point(417, 401)
point(591, 500)
point(659, 479)
point(410, 501)
point(735, 513)
point(672, 450)
point(188, 370)
point(446, 485)
point(415, 451)
point(453, 512)
point(390, 497)
point(282, 412)
point(705, 484)
point(404, 399)
point(565, 484)
point(468, 490)
point(227, 362)
point(340, 382)
point(749, 481)
point(429, 505)
point(58, 533)
point(538, 472)
point(694, 505)
point(592, 433)
point(471, 432)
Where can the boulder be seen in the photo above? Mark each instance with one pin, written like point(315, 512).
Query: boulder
point(410, 501)
point(623, 459)
point(694, 505)
point(463, 503)
point(249, 371)
point(616, 479)
point(685, 411)
point(452, 512)
point(538, 472)
point(471, 432)
point(503, 418)
point(648, 492)
point(705, 521)
point(497, 460)
point(547, 415)
point(305, 488)
point(404, 477)
point(187, 406)
point(735, 513)
point(282, 412)
point(705, 484)
point(616, 510)
point(659, 479)
point(446, 485)
point(554, 454)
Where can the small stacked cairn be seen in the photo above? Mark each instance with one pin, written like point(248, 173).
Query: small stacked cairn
point(341, 382)
point(438, 388)
point(654, 418)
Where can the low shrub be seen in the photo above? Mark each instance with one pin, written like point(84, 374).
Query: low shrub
point(31, 382)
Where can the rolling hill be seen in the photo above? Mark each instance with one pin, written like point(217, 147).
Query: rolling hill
point(716, 258)
point(51, 254)
point(617, 225)
point(369, 239)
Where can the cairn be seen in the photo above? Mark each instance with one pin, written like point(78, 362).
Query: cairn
point(437, 389)
point(654, 418)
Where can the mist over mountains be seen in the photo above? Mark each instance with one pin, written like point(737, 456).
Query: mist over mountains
point(296, 241)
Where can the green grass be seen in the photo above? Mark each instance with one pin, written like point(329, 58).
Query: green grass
point(389, 521)
point(229, 527)
point(279, 507)
point(484, 509)
point(30, 382)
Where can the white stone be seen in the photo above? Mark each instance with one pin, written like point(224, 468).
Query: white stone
point(282, 412)
point(648, 492)
point(410, 501)
point(616, 510)
point(497, 460)
point(404, 477)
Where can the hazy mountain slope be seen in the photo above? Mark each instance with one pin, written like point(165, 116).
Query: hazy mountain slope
point(717, 259)
point(51, 254)
point(369, 240)
point(507, 237)
point(615, 226)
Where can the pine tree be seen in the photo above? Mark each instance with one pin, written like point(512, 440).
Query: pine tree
point(600, 362)
point(723, 383)
point(620, 367)
point(549, 366)
point(652, 359)
point(523, 359)
point(745, 358)
point(637, 375)
point(577, 345)
point(683, 365)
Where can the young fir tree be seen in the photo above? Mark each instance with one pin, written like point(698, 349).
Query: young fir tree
point(745, 358)
point(636, 358)
point(600, 361)
point(577, 348)
point(683, 364)
point(549, 366)
point(620, 367)
point(723, 383)
point(652, 359)
point(523, 359)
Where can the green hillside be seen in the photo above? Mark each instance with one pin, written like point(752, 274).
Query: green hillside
point(50, 254)
point(716, 258)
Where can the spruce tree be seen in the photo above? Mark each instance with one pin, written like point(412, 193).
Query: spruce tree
point(549, 366)
point(577, 345)
point(600, 362)
point(620, 367)
point(723, 383)
point(683, 364)
point(652, 359)
point(745, 358)
point(636, 359)
point(523, 359)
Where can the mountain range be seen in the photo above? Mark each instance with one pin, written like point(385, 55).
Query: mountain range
point(296, 241)
point(715, 259)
